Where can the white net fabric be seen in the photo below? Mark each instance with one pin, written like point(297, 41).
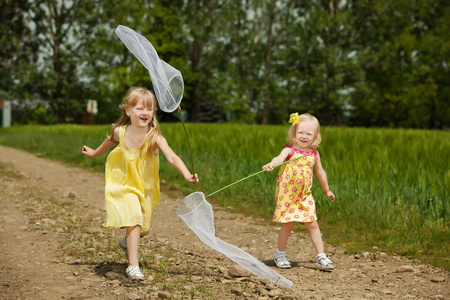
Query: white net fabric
point(197, 213)
point(167, 81)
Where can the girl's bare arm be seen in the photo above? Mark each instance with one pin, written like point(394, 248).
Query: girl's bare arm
point(107, 144)
point(176, 161)
point(322, 177)
point(277, 159)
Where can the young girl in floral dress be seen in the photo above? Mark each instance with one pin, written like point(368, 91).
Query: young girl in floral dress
point(294, 201)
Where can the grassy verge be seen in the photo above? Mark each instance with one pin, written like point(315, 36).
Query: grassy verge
point(391, 185)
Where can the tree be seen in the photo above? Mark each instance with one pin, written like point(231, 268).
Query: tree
point(317, 70)
point(17, 50)
point(403, 56)
point(61, 29)
point(201, 23)
point(112, 68)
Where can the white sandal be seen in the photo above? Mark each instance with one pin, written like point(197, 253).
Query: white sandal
point(134, 273)
point(323, 262)
point(281, 261)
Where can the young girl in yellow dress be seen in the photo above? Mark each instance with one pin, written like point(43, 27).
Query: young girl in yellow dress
point(294, 200)
point(131, 171)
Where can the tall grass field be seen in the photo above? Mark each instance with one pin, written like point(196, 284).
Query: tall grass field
point(391, 185)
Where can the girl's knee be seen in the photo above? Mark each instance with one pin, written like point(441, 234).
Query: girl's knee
point(288, 226)
point(132, 228)
point(312, 225)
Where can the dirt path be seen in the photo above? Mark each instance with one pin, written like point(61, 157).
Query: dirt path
point(53, 247)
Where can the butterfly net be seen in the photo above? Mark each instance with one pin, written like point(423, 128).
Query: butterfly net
point(167, 81)
point(197, 213)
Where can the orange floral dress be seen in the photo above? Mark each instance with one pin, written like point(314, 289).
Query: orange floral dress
point(293, 191)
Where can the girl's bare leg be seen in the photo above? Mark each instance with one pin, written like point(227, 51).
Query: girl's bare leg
point(283, 235)
point(133, 236)
point(316, 236)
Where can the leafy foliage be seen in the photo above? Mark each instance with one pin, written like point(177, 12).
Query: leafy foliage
point(355, 63)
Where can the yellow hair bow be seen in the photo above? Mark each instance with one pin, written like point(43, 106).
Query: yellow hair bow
point(293, 119)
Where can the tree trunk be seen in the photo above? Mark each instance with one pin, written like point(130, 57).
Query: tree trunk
point(266, 89)
point(193, 95)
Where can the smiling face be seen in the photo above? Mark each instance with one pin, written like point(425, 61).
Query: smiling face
point(140, 114)
point(305, 135)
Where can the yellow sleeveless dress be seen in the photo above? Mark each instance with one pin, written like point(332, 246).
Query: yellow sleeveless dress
point(293, 191)
point(132, 186)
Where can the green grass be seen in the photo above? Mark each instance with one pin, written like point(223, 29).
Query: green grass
point(391, 185)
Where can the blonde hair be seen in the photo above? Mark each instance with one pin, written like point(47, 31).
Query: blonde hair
point(305, 118)
point(133, 95)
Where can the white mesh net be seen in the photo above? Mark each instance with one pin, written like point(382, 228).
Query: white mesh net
point(197, 213)
point(167, 81)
